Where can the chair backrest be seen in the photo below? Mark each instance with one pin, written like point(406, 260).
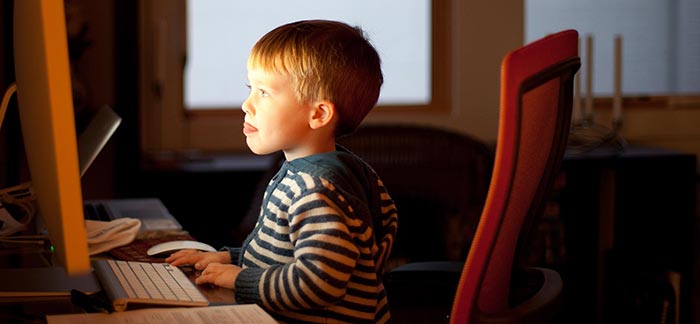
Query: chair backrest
point(438, 180)
point(534, 121)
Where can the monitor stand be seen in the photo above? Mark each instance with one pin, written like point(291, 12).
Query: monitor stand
point(44, 282)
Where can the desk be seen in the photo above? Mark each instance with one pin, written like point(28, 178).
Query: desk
point(625, 221)
point(34, 309)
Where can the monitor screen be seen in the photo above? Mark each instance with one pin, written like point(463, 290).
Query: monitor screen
point(45, 105)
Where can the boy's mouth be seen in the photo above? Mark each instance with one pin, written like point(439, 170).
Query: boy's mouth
point(249, 129)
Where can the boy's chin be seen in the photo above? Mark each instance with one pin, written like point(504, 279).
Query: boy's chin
point(256, 149)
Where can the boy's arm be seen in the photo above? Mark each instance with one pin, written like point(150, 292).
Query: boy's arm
point(325, 256)
point(384, 228)
point(233, 252)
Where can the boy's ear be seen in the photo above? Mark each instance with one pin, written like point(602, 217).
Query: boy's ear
point(323, 114)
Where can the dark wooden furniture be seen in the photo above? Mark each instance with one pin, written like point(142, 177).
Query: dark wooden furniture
point(618, 226)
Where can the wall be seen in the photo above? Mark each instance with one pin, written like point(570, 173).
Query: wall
point(480, 43)
point(106, 71)
point(667, 124)
point(93, 73)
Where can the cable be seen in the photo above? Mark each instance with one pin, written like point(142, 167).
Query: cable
point(586, 137)
point(26, 239)
point(19, 196)
point(6, 101)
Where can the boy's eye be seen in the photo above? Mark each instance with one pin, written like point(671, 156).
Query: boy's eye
point(261, 92)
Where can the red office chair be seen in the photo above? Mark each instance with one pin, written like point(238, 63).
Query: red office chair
point(535, 116)
point(536, 100)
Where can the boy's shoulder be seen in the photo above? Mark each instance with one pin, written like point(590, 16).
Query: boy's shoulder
point(340, 162)
point(341, 167)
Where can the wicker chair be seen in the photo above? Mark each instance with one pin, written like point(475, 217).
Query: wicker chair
point(438, 179)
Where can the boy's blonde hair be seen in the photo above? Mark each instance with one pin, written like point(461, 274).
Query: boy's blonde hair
point(326, 60)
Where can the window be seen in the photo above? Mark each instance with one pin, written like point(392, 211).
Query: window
point(217, 45)
point(175, 114)
point(660, 41)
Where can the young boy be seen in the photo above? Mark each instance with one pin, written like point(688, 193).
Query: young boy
point(327, 223)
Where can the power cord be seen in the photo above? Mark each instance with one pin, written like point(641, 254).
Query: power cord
point(6, 101)
point(17, 209)
point(21, 202)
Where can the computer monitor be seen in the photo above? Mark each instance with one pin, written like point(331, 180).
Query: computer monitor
point(45, 104)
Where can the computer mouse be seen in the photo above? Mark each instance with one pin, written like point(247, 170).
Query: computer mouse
point(167, 248)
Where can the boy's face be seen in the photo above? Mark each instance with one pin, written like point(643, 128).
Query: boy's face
point(274, 118)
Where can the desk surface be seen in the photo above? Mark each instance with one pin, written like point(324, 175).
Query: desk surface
point(630, 152)
point(34, 309)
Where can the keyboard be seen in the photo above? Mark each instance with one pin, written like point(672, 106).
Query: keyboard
point(155, 284)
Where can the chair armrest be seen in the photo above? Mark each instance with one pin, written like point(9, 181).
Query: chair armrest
point(540, 307)
point(434, 267)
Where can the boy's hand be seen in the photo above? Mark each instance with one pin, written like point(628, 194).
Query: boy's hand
point(199, 259)
point(222, 275)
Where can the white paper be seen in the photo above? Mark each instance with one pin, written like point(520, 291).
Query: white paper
point(249, 313)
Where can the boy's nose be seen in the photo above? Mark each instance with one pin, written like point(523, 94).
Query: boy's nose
point(247, 109)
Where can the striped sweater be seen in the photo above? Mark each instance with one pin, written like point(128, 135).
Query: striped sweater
point(325, 230)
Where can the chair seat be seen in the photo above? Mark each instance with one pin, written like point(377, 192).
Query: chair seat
point(423, 283)
point(427, 289)
point(543, 288)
